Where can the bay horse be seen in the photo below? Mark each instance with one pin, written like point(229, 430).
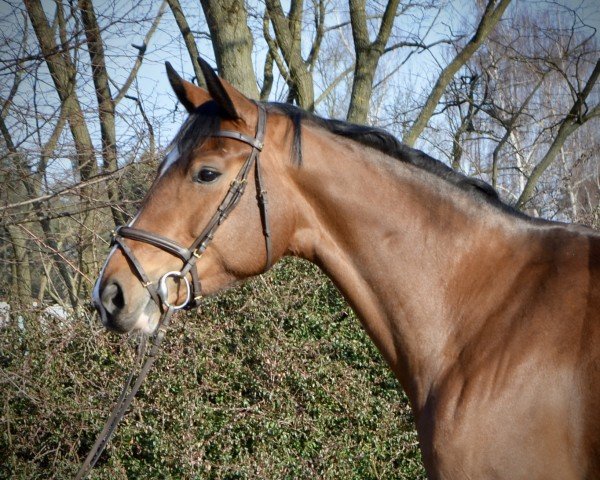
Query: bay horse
point(490, 319)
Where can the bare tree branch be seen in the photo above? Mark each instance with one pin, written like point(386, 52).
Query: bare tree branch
point(140, 57)
point(577, 116)
point(491, 16)
point(102, 177)
point(188, 39)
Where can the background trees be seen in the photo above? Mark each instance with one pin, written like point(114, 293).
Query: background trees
point(507, 92)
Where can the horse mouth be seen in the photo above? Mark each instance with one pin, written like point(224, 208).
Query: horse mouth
point(144, 319)
point(147, 322)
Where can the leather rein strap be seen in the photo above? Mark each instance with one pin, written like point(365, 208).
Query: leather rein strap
point(128, 392)
point(189, 256)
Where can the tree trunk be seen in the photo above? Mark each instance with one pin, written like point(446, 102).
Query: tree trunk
point(232, 43)
point(21, 272)
point(15, 175)
point(106, 106)
point(367, 56)
point(362, 86)
point(288, 37)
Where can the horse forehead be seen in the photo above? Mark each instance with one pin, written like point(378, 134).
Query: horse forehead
point(170, 159)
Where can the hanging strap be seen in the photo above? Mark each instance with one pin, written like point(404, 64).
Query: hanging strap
point(127, 394)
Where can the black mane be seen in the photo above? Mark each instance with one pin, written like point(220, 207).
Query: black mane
point(200, 124)
point(206, 120)
point(385, 142)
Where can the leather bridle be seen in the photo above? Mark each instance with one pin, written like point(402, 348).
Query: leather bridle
point(189, 256)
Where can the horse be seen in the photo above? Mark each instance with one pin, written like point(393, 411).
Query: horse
point(489, 318)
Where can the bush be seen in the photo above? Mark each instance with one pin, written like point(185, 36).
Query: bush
point(273, 379)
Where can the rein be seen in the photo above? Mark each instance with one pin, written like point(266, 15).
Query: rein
point(189, 256)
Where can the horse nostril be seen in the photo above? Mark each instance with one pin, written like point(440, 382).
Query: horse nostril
point(112, 298)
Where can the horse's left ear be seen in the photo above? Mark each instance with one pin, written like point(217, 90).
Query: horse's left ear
point(189, 95)
point(233, 102)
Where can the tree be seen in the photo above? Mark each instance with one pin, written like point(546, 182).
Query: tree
point(367, 55)
point(288, 40)
point(579, 114)
point(232, 42)
point(59, 43)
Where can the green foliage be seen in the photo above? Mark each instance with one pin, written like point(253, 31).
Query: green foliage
point(273, 379)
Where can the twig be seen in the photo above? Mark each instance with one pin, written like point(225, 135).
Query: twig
point(92, 181)
point(56, 252)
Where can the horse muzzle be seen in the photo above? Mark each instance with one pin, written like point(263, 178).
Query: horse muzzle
point(122, 314)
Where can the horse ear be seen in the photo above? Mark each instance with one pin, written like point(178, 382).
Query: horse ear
point(234, 103)
point(191, 96)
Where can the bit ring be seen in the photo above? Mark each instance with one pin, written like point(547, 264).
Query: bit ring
point(163, 291)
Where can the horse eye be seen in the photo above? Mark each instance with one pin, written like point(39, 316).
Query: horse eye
point(207, 175)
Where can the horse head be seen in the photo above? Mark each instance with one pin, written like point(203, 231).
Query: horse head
point(205, 222)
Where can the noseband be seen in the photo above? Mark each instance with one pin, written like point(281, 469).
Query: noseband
point(189, 256)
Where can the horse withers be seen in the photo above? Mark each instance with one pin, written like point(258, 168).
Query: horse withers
point(490, 319)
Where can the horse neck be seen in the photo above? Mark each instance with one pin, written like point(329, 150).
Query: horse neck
point(396, 241)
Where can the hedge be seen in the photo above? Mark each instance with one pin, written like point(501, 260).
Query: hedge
point(274, 379)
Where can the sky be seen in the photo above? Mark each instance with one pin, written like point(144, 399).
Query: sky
point(152, 86)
